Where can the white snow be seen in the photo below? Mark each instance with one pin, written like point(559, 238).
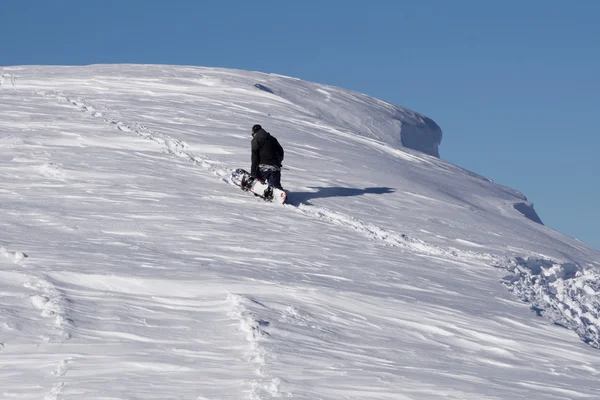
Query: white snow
point(130, 268)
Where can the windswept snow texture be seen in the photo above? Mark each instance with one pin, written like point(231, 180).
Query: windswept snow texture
point(130, 268)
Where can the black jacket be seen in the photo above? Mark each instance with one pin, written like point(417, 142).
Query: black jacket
point(266, 150)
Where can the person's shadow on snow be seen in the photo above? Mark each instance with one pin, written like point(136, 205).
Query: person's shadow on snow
point(297, 198)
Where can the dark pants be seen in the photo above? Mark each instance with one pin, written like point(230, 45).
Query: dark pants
point(273, 178)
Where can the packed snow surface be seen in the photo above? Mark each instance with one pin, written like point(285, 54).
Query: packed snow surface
point(131, 268)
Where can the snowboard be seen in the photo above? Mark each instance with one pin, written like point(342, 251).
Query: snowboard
point(247, 183)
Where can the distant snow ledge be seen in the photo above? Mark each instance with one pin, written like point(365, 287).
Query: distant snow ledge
point(358, 113)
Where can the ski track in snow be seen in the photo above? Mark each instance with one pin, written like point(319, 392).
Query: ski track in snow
point(569, 298)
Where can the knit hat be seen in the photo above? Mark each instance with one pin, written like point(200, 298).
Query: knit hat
point(256, 128)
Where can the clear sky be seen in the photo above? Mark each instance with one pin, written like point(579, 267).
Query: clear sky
point(515, 85)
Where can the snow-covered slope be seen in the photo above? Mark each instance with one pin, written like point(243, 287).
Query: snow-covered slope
point(131, 269)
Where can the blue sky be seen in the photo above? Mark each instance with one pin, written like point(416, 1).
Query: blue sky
point(515, 85)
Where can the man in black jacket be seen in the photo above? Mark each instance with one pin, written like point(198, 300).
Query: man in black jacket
point(267, 155)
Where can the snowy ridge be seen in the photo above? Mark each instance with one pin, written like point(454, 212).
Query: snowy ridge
point(539, 292)
point(559, 297)
point(381, 280)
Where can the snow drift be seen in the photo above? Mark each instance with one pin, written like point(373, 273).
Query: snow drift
point(131, 268)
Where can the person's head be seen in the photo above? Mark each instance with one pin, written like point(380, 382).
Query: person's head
point(255, 129)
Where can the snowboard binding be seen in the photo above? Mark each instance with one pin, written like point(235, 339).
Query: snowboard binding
point(246, 183)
